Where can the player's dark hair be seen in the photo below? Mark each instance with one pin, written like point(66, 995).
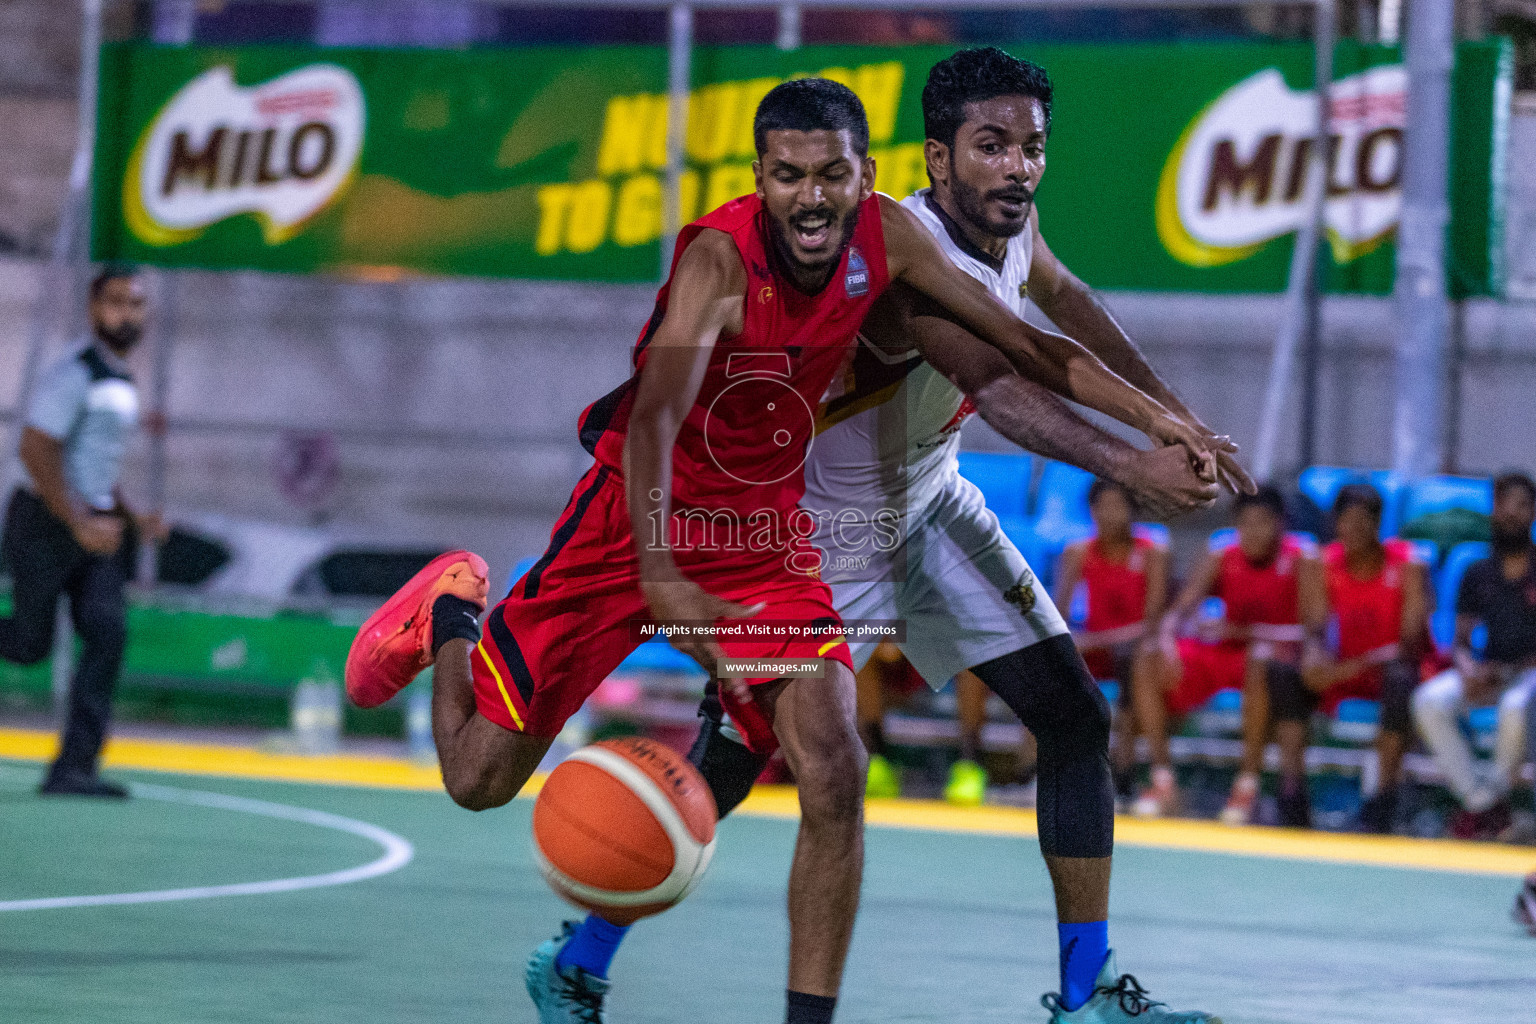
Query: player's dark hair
point(111, 272)
point(1101, 487)
point(1513, 478)
point(1268, 497)
point(809, 105)
point(1358, 496)
point(970, 76)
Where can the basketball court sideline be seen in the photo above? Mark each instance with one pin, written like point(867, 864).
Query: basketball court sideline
point(445, 906)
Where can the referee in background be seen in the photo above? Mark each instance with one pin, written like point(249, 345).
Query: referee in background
point(67, 530)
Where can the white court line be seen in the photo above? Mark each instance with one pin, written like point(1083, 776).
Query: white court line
point(397, 854)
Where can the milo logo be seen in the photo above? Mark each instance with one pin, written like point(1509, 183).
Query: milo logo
point(281, 150)
point(1238, 177)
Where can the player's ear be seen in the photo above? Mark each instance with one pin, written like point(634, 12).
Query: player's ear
point(867, 178)
point(936, 155)
point(757, 178)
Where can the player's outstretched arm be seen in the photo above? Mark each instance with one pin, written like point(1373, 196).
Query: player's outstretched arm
point(1032, 417)
point(1319, 668)
point(1197, 589)
point(1413, 633)
point(1073, 307)
point(705, 301)
point(1057, 361)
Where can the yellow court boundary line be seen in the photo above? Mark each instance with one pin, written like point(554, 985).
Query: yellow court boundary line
point(781, 802)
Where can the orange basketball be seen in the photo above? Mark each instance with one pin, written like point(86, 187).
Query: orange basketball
point(624, 828)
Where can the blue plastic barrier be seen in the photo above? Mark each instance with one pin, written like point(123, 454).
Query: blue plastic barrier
point(1443, 622)
point(1321, 484)
point(518, 571)
point(1356, 720)
point(1062, 504)
point(1002, 477)
point(1442, 493)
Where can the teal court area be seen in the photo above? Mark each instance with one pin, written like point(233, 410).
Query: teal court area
point(439, 907)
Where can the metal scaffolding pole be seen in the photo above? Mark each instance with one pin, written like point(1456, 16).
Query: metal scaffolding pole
point(789, 25)
point(56, 286)
point(1423, 315)
point(679, 75)
point(1300, 322)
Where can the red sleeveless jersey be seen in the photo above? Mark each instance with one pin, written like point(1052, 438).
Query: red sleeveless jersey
point(743, 445)
point(1369, 612)
point(1262, 594)
point(1117, 591)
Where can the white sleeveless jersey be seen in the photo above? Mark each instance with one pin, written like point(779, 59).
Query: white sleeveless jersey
point(888, 429)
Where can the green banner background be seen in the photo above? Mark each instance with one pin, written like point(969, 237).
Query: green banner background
point(516, 163)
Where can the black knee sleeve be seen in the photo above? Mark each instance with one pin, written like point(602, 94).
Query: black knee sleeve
point(1399, 681)
point(1289, 698)
point(1050, 689)
point(730, 768)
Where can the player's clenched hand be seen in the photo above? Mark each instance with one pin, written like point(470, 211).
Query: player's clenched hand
point(1168, 429)
point(1233, 477)
point(1166, 484)
point(682, 601)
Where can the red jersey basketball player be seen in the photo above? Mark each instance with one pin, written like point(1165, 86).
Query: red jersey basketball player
point(1257, 577)
point(1375, 599)
point(689, 518)
point(1125, 575)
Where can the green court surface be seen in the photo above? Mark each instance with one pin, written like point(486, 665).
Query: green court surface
point(954, 928)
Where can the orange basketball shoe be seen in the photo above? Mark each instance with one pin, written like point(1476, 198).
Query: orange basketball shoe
point(395, 644)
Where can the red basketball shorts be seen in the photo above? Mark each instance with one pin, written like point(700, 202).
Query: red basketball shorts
point(579, 612)
point(1204, 671)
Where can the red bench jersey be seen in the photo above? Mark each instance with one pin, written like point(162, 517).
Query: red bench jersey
point(1369, 612)
point(1117, 591)
point(1265, 594)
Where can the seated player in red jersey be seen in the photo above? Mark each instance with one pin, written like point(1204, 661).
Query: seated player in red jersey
point(1257, 577)
point(1375, 596)
point(690, 517)
point(1125, 574)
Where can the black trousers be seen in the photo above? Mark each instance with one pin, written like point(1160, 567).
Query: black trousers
point(46, 562)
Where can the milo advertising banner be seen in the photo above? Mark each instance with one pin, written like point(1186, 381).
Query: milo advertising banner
point(1171, 167)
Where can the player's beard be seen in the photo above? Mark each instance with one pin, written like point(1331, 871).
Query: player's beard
point(122, 339)
point(972, 205)
point(1510, 540)
point(785, 252)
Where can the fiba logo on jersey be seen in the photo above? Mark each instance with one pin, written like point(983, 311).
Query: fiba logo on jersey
point(282, 150)
point(856, 281)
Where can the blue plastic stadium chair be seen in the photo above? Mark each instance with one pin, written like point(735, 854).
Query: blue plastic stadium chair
point(1441, 493)
point(1356, 721)
point(1061, 510)
point(1111, 691)
point(1061, 504)
point(1222, 714)
point(1483, 725)
point(1443, 622)
point(1002, 477)
point(518, 571)
point(1077, 609)
point(656, 655)
point(1321, 484)
point(1041, 553)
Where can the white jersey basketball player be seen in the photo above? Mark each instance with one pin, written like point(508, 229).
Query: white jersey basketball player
point(904, 537)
